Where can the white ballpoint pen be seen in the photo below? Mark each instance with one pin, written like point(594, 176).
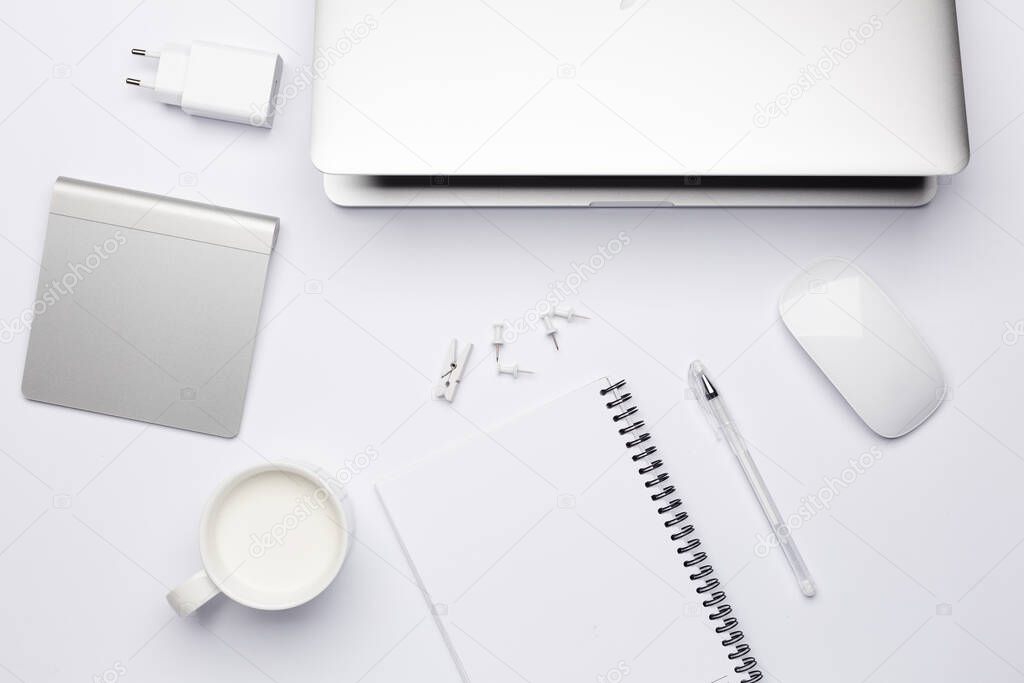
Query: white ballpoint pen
point(709, 397)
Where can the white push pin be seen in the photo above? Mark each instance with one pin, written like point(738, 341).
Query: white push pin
point(568, 313)
point(513, 370)
point(498, 340)
point(549, 329)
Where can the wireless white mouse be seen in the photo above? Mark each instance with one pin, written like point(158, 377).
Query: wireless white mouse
point(864, 345)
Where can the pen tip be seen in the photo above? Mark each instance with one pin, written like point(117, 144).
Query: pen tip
point(709, 389)
point(807, 588)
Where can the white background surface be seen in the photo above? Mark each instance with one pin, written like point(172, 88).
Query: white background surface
point(920, 557)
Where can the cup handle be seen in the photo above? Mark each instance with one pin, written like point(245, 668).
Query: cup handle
point(192, 594)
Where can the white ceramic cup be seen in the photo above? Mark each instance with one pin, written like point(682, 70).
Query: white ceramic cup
point(272, 537)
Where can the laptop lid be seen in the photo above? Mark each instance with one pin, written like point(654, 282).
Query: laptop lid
point(635, 87)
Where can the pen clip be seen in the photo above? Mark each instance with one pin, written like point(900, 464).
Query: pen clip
point(699, 386)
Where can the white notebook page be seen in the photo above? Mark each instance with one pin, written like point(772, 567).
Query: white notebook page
point(545, 559)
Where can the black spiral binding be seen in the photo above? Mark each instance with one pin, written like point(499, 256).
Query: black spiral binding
point(675, 518)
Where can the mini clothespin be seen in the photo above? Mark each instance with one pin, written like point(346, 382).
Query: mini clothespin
point(568, 313)
point(451, 371)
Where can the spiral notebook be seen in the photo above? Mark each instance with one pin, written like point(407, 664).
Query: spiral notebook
point(556, 549)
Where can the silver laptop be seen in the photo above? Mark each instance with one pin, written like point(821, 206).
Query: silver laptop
point(633, 102)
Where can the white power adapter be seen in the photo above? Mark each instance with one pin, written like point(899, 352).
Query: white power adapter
point(216, 81)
